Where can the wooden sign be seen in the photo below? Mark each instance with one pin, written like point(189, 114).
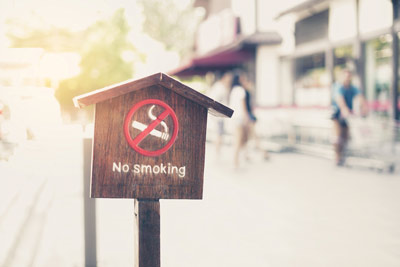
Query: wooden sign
point(149, 144)
point(149, 139)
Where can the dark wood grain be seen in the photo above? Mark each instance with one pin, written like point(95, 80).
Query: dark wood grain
point(216, 108)
point(97, 96)
point(115, 90)
point(147, 233)
point(111, 146)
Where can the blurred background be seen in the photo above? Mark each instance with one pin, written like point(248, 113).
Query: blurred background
point(285, 204)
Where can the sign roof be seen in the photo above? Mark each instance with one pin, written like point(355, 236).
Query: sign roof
point(166, 81)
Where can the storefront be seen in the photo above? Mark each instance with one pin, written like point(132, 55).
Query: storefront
point(222, 45)
point(378, 71)
point(311, 65)
point(312, 86)
point(330, 36)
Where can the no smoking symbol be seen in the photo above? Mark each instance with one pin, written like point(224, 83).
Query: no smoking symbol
point(149, 129)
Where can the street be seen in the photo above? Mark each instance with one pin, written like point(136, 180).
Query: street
point(291, 210)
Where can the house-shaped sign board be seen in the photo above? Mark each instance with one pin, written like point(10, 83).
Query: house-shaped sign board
point(149, 139)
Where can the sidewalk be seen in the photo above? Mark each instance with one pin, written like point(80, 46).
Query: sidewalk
point(293, 210)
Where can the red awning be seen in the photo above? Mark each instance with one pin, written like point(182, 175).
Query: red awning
point(226, 57)
point(212, 62)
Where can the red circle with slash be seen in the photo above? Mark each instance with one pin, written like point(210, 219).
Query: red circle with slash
point(134, 142)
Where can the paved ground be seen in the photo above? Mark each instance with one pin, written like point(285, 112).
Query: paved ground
point(292, 210)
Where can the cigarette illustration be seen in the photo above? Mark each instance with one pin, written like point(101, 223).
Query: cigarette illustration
point(141, 126)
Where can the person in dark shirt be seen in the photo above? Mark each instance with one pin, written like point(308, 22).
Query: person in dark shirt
point(249, 106)
point(344, 97)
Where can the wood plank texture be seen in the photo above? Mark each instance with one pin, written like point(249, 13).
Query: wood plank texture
point(111, 148)
point(97, 96)
point(217, 108)
point(115, 90)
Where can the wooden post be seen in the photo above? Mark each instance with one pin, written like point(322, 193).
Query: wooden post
point(147, 233)
point(89, 206)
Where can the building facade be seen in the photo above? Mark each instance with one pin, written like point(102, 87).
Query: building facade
point(329, 36)
point(296, 50)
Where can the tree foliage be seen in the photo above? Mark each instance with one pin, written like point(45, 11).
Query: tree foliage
point(101, 47)
point(171, 24)
point(34, 32)
point(52, 40)
point(102, 63)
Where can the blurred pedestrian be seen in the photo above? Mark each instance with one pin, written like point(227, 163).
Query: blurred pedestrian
point(241, 116)
point(344, 97)
point(252, 133)
point(220, 92)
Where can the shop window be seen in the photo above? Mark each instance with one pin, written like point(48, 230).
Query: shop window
point(343, 59)
point(378, 68)
point(312, 28)
point(286, 82)
point(312, 81)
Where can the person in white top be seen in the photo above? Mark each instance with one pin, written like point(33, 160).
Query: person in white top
point(241, 116)
point(220, 92)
